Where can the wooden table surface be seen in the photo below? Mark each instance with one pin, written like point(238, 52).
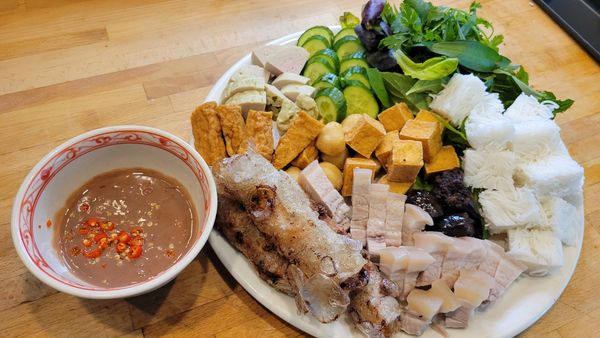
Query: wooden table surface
point(70, 66)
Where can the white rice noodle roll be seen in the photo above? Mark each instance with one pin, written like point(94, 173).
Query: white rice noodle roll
point(491, 169)
point(540, 250)
point(527, 108)
point(459, 97)
point(512, 208)
point(534, 140)
point(556, 175)
point(564, 219)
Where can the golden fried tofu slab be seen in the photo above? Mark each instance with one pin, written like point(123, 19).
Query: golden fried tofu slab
point(206, 128)
point(259, 125)
point(234, 129)
point(303, 130)
point(307, 156)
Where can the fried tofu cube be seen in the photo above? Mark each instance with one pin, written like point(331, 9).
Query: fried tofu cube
point(396, 187)
point(363, 134)
point(206, 128)
point(348, 174)
point(302, 131)
point(446, 159)
point(405, 162)
point(427, 116)
point(428, 133)
point(307, 156)
point(384, 149)
point(259, 125)
point(234, 129)
point(395, 117)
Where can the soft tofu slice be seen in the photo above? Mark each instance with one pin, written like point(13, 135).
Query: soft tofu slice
point(261, 54)
point(288, 79)
point(362, 178)
point(243, 84)
point(395, 117)
point(288, 59)
point(446, 159)
point(473, 287)
point(539, 250)
point(206, 128)
point(234, 129)
point(428, 133)
point(405, 162)
point(440, 289)
point(303, 130)
point(424, 303)
point(413, 222)
point(348, 174)
point(292, 91)
point(363, 134)
point(259, 125)
point(275, 98)
point(393, 218)
point(306, 156)
point(250, 71)
point(249, 99)
point(316, 184)
point(437, 245)
point(378, 194)
point(395, 187)
point(384, 149)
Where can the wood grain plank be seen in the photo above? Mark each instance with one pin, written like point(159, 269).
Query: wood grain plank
point(52, 42)
point(268, 327)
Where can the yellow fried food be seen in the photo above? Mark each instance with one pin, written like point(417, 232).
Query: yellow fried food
point(234, 129)
point(206, 128)
point(303, 130)
point(259, 125)
point(306, 156)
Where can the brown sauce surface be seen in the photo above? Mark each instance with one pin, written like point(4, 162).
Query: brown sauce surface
point(153, 208)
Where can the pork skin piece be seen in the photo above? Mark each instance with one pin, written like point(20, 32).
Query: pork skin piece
point(454, 261)
point(374, 308)
point(282, 212)
point(436, 243)
point(393, 219)
point(378, 194)
point(413, 221)
point(318, 187)
point(360, 204)
point(235, 224)
point(402, 265)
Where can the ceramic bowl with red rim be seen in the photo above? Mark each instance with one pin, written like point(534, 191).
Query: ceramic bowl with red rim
point(73, 163)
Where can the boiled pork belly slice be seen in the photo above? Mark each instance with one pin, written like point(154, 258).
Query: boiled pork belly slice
point(563, 217)
point(436, 244)
point(508, 270)
point(360, 204)
point(457, 255)
point(413, 221)
point(527, 108)
point(402, 265)
point(489, 169)
point(539, 250)
point(471, 289)
point(393, 219)
point(424, 303)
point(318, 187)
point(511, 208)
point(450, 302)
point(378, 194)
point(477, 252)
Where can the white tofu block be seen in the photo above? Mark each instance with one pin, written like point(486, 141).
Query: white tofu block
point(459, 97)
point(293, 90)
point(243, 84)
point(289, 78)
point(564, 219)
point(557, 175)
point(512, 208)
point(250, 71)
point(489, 169)
point(250, 99)
point(539, 250)
point(527, 108)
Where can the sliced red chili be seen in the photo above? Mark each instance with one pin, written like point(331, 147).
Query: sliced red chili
point(136, 231)
point(123, 237)
point(108, 226)
point(84, 230)
point(100, 236)
point(134, 252)
point(121, 247)
point(92, 254)
point(87, 243)
point(93, 222)
point(103, 243)
point(136, 241)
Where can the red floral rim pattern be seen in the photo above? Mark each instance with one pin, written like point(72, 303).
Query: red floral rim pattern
point(56, 163)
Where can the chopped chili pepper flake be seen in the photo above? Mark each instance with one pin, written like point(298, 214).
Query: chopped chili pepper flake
point(87, 243)
point(107, 226)
point(170, 252)
point(75, 251)
point(136, 241)
point(84, 230)
point(92, 254)
point(123, 237)
point(134, 252)
point(93, 222)
point(136, 231)
point(48, 222)
point(121, 247)
point(103, 243)
point(99, 236)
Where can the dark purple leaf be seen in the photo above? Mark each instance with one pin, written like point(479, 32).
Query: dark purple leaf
point(372, 12)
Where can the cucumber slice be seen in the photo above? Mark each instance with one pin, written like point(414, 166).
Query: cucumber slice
point(356, 55)
point(349, 63)
point(317, 30)
point(357, 73)
point(327, 80)
point(359, 99)
point(316, 67)
point(316, 43)
point(331, 103)
point(347, 45)
point(344, 32)
point(329, 54)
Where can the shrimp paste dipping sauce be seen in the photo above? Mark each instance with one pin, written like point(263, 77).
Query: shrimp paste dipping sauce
point(125, 226)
